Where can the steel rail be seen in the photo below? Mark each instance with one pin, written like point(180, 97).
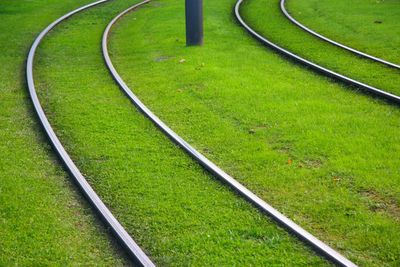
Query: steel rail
point(305, 236)
point(320, 36)
point(118, 230)
point(367, 88)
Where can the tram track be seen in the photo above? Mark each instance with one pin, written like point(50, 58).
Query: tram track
point(318, 68)
point(131, 247)
point(326, 39)
point(320, 247)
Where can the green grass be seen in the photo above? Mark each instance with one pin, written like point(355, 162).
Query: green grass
point(43, 219)
point(177, 212)
point(325, 155)
point(371, 26)
point(266, 18)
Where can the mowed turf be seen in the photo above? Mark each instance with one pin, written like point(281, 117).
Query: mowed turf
point(266, 18)
point(368, 25)
point(43, 219)
point(178, 213)
point(324, 154)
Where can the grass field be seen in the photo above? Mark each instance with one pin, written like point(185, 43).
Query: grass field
point(322, 153)
point(368, 25)
point(177, 212)
point(43, 219)
point(265, 17)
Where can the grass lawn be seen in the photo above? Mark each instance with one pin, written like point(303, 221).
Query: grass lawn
point(43, 219)
point(368, 25)
point(324, 154)
point(176, 211)
point(266, 18)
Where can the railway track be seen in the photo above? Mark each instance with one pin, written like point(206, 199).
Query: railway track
point(132, 249)
point(326, 39)
point(292, 227)
point(337, 76)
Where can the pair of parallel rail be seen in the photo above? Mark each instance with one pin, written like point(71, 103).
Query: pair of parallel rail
point(136, 253)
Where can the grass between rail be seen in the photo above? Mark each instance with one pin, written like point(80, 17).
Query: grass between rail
point(177, 212)
point(325, 155)
point(370, 26)
point(43, 219)
point(266, 18)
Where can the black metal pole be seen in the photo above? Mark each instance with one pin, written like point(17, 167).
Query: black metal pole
point(194, 22)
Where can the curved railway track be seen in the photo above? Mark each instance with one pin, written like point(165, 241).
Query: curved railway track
point(326, 39)
point(365, 87)
point(292, 227)
point(133, 250)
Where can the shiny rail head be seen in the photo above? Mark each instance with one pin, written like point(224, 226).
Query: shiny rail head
point(97, 204)
point(292, 227)
point(391, 98)
point(326, 39)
